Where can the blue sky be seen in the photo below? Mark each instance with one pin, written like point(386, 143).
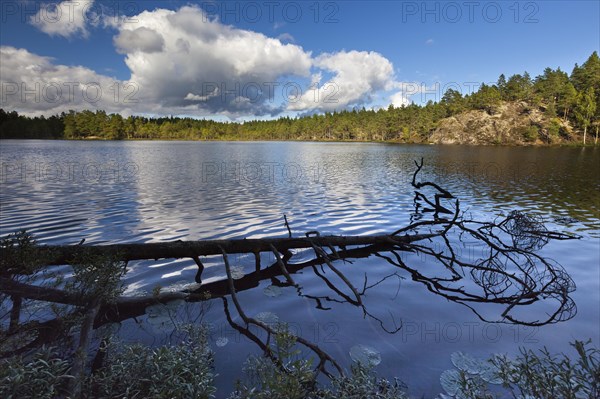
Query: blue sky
point(243, 60)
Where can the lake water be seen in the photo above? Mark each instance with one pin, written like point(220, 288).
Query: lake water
point(114, 192)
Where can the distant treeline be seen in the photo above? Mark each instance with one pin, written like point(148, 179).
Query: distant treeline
point(572, 98)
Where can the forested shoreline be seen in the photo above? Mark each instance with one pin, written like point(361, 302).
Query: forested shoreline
point(570, 105)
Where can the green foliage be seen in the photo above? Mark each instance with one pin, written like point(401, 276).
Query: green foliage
point(42, 376)
point(550, 376)
point(21, 256)
point(501, 85)
point(22, 263)
point(567, 100)
point(529, 133)
point(14, 126)
point(518, 87)
point(550, 111)
point(363, 383)
point(588, 74)
point(180, 371)
point(185, 370)
point(454, 102)
point(405, 134)
point(585, 107)
point(97, 277)
point(486, 98)
point(292, 378)
point(554, 129)
point(530, 375)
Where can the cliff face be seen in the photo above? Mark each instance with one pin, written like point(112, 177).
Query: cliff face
point(511, 123)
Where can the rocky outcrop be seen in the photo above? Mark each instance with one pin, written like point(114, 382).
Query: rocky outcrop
point(510, 123)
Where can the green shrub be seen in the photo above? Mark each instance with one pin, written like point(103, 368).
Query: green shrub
point(552, 376)
point(553, 129)
point(180, 371)
point(530, 375)
point(20, 254)
point(41, 376)
point(293, 378)
point(296, 378)
point(97, 277)
point(185, 371)
point(529, 133)
point(364, 383)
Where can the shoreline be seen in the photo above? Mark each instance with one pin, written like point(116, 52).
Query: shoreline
point(387, 142)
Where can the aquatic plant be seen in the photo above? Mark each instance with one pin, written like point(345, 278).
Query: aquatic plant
point(531, 375)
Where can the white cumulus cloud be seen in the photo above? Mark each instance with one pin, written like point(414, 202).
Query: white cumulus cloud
point(67, 19)
point(178, 57)
point(140, 39)
point(183, 61)
point(357, 76)
point(399, 99)
point(34, 85)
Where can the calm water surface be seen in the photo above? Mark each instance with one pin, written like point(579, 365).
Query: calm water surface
point(113, 192)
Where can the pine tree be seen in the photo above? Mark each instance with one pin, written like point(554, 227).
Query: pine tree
point(585, 109)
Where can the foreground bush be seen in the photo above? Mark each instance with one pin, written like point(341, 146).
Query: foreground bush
point(136, 371)
point(41, 376)
point(131, 371)
point(539, 375)
point(185, 370)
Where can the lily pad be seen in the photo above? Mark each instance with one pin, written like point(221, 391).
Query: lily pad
point(237, 272)
point(267, 317)
point(450, 381)
point(365, 355)
point(180, 286)
point(156, 310)
point(466, 362)
point(222, 341)
point(490, 374)
point(136, 292)
point(272, 291)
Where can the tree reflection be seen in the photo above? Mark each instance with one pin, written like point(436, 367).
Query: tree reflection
point(505, 271)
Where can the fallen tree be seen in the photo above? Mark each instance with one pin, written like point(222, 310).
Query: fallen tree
point(70, 254)
point(511, 274)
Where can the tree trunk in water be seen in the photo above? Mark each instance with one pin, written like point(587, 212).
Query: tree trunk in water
point(69, 254)
point(15, 313)
point(80, 358)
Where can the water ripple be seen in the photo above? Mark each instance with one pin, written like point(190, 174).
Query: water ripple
point(341, 189)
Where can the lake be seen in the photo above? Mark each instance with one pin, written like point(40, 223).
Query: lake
point(115, 192)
